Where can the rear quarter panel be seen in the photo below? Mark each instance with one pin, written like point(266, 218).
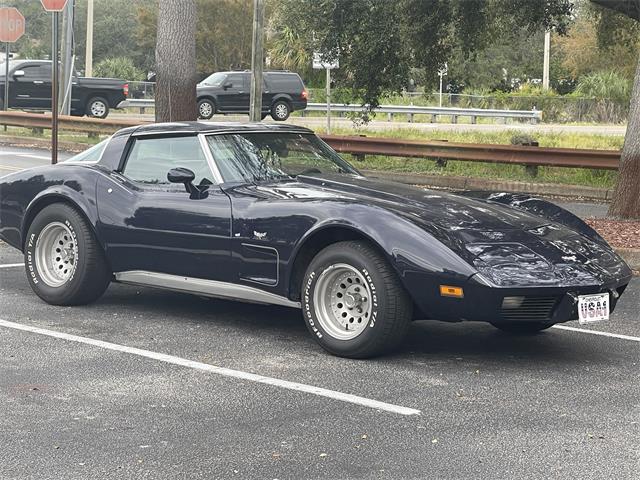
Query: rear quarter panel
point(23, 194)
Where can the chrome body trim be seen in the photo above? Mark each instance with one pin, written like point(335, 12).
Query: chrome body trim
point(200, 286)
point(213, 166)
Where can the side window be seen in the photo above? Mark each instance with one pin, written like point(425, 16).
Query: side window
point(236, 81)
point(150, 159)
point(32, 72)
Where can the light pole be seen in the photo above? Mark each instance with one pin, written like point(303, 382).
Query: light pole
point(545, 71)
point(88, 57)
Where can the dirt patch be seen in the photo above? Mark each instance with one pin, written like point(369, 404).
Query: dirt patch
point(618, 233)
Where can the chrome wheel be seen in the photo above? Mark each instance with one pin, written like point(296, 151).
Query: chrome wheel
point(56, 254)
point(206, 110)
point(281, 111)
point(98, 108)
point(342, 301)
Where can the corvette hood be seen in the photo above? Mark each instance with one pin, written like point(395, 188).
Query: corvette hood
point(510, 247)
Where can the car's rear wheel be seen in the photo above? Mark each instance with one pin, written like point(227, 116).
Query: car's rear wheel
point(280, 111)
point(64, 263)
point(97, 107)
point(206, 108)
point(353, 302)
point(522, 328)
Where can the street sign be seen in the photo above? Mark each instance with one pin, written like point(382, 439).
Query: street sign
point(11, 25)
point(53, 5)
point(319, 64)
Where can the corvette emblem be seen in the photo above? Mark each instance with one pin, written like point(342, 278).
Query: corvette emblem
point(259, 235)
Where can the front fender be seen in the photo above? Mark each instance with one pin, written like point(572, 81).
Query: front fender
point(420, 260)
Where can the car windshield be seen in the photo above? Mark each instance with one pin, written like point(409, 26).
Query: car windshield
point(91, 155)
point(254, 157)
point(214, 79)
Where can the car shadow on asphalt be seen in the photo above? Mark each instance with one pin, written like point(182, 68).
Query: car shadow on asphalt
point(426, 340)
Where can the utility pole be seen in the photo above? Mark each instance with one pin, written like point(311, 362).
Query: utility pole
point(88, 57)
point(67, 58)
point(547, 48)
point(255, 107)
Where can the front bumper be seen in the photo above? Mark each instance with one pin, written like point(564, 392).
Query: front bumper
point(484, 302)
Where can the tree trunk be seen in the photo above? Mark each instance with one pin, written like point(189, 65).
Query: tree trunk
point(626, 197)
point(176, 61)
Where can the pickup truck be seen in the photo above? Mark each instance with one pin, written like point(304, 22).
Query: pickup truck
point(30, 89)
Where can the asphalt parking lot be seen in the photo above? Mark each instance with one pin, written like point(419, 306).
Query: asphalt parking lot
point(562, 404)
point(151, 384)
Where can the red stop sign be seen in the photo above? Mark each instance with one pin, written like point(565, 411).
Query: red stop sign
point(53, 5)
point(11, 25)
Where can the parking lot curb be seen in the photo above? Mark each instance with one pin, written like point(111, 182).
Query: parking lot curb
point(470, 183)
point(71, 147)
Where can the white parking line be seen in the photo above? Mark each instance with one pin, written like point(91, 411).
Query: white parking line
point(595, 332)
point(252, 377)
point(12, 265)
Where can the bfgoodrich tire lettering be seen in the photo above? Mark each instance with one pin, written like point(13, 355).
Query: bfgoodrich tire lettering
point(64, 263)
point(386, 308)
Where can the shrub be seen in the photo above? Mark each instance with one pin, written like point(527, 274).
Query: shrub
point(119, 67)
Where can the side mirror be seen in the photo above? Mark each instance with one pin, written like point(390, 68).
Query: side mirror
point(18, 73)
point(186, 177)
point(181, 175)
point(227, 85)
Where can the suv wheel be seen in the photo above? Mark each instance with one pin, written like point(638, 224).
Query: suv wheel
point(206, 109)
point(280, 111)
point(64, 262)
point(353, 303)
point(97, 107)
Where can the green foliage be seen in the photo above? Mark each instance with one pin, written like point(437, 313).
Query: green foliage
point(605, 85)
point(119, 67)
point(612, 93)
point(378, 42)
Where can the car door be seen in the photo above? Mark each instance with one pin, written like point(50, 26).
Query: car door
point(32, 87)
point(151, 225)
point(234, 96)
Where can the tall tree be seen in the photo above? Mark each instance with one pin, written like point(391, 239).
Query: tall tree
point(626, 197)
point(176, 76)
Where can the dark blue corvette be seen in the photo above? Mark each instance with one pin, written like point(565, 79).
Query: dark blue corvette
point(271, 214)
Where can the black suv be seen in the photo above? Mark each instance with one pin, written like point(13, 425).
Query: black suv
point(30, 89)
point(229, 92)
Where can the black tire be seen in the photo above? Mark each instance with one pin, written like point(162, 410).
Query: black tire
point(522, 328)
point(206, 109)
point(91, 275)
point(391, 306)
point(280, 110)
point(97, 107)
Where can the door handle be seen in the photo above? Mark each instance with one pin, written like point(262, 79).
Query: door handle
point(38, 82)
point(240, 91)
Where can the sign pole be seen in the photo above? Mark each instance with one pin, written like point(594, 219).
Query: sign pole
point(5, 104)
point(54, 90)
point(328, 101)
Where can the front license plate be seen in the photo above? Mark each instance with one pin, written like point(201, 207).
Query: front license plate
point(593, 308)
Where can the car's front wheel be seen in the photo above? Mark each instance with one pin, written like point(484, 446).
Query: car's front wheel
point(353, 302)
point(64, 263)
point(97, 107)
point(206, 108)
point(522, 328)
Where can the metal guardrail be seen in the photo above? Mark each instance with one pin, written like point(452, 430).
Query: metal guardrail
point(410, 110)
point(359, 146)
point(534, 116)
